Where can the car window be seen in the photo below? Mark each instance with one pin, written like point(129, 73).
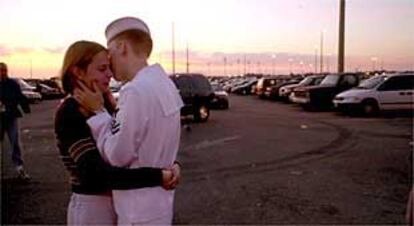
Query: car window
point(349, 80)
point(398, 83)
point(331, 80)
point(183, 83)
point(306, 81)
point(372, 82)
point(317, 81)
point(201, 84)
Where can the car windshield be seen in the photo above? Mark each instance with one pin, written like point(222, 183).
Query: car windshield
point(24, 85)
point(306, 81)
point(330, 80)
point(371, 82)
point(46, 87)
point(216, 87)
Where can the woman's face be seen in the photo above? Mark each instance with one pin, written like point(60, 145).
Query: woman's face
point(99, 72)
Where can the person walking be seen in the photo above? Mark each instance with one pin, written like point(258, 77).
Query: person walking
point(11, 97)
point(146, 129)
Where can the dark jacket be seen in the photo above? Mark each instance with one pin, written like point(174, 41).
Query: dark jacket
point(11, 96)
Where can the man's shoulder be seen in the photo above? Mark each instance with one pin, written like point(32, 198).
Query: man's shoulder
point(12, 82)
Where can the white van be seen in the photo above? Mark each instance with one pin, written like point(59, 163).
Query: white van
point(381, 92)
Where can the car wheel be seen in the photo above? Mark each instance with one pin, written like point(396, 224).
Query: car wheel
point(370, 108)
point(202, 113)
point(225, 105)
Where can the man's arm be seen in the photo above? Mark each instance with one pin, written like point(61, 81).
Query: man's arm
point(22, 99)
point(118, 140)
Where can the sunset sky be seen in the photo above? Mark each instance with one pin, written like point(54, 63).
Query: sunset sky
point(279, 36)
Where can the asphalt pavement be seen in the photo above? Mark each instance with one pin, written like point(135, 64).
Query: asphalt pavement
point(260, 162)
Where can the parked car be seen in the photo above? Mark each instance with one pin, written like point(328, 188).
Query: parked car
point(379, 93)
point(272, 92)
point(197, 94)
point(285, 91)
point(48, 92)
point(262, 84)
point(29, 91)
point(246, 88)
point(321, 96)
point(220, 100)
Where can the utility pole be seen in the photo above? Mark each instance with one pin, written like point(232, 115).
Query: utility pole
point(238, 66)
point(321, 59)
point(316, 59)
point(341, 48)
point(225, 64)
point(208, 68)
point(31, 69)
point(173, 49)
point(188, 62)
point(245, 62)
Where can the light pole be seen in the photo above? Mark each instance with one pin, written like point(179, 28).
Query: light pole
point(173, 49)
point(316, 59)
point(238, 66)
point(328, 62)
point(245, 63)
point(341, 46)
point(290, 65)
point(208, 68)
point(188, 62)
point(301, 66)
point(224, 66)
point(374, 63)
point(273, 64)
point(321, 59)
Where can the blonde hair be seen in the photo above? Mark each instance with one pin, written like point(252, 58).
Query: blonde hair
point(140, 41)
point(79, 54)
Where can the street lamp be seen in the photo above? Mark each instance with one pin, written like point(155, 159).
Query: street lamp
point(374, 62)
point(273, 64)
point(290, 65)
point(321, 59)
point(316, 59)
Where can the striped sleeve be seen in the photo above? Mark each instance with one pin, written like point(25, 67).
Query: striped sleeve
point(80, 147)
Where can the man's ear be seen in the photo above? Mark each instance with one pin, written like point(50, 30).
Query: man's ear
point(121, 45)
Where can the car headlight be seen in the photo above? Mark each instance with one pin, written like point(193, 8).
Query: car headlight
point(356, 99)
point(348, 99)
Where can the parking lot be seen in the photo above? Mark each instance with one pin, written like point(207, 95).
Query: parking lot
point(259, 162)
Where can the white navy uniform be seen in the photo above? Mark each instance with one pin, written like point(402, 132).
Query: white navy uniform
point(144, 133)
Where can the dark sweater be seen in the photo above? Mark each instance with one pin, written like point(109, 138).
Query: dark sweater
point(11, 96)
point(89, 173)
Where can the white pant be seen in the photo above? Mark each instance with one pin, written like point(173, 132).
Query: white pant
point(162, 221)
point(91, 210)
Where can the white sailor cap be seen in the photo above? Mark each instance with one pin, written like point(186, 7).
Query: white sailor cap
point(123, 24)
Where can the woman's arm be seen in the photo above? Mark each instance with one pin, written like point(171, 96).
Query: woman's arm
point(74, 136)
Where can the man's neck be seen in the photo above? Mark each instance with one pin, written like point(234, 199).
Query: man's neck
point(136, 66)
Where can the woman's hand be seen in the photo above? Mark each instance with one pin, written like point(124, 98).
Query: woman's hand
point(90, 100)
point(110, 99)
point(171, 177)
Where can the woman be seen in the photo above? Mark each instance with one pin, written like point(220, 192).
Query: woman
point(92, 179)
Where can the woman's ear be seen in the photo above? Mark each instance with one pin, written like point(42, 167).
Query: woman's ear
point(77, 72)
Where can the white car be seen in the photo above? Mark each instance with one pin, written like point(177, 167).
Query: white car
point(382, 92)
point(29, 91)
